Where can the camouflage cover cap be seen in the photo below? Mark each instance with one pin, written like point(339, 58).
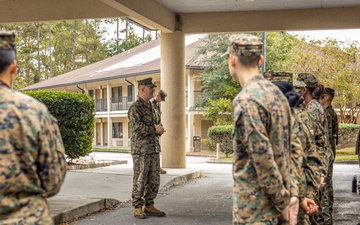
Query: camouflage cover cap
point(330, 92)
point(147, 82)
point(278, 76)
point(7, 40)
point(244, 45)
point(162, 95)
point(299, 84)
point(309, 79)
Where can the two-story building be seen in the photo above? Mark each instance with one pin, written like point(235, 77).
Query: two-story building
point(113, 85)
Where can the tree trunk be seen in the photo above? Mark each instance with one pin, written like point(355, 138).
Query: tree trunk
point(37, 74)
point(86, 41)
point(50, 51)
point(74, 47)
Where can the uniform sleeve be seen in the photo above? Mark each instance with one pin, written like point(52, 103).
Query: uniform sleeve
point(298, 181)
point(319, 138)
point(137, 124)
point(51, 160)
point(262, 156)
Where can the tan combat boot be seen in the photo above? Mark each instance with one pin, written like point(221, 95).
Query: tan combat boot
point(162, 171)
point(150, 210)
point(138, 213)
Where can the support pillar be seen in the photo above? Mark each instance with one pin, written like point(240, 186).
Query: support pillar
point(109, 120)
point(173, 141)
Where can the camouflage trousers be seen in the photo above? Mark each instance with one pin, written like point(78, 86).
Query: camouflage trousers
point(146, 180)
point(327, 199)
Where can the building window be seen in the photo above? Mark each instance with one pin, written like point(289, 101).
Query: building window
point(116, 94)
point(91, 93)
point(117, 129)
point(130, 93)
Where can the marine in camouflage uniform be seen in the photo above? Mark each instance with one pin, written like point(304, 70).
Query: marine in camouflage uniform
point(320, 127)
point(283, 81)
point(305, 160)
point(160, 96)
point(312, 161)
point(326, 102)
point(145, 151)
point(261, 135)
point(32, 160)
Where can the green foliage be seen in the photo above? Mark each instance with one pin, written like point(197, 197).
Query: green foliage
point(218, 86)
point(74, 113)
point(218, 111)
point(348, 127)
point(223, 136)
point(207, 144)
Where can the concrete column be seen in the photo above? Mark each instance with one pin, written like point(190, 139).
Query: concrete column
point(102, 132)
point(109, 123)
point(173, 143)
point(190, 102)
point(109, 129)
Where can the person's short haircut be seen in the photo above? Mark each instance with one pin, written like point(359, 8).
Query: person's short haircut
point(6, 58)
point(249, 61)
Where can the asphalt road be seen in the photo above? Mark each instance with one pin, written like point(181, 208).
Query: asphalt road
point(207, 200)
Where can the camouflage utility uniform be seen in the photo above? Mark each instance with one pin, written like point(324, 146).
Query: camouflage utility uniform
point(311, 163)
point(157, 116)
point(261, 164)
point(32, 159)
point(145, 153)
point(328, 189)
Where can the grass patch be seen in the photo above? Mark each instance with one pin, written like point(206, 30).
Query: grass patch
point(345, 154)
point(346, 158)
point(346, 151)
point(119, 150)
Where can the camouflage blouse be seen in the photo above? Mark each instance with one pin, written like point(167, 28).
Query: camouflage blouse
point(261, 162)
point(142, 121)
point(320, 127)
point(32, 160)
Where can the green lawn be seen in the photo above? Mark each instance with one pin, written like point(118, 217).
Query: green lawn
point(119, 150)
point(345, 154)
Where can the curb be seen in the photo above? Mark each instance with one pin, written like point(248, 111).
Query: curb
point(95, 165)
point(181, 179)
point(84, 210)
point(106, 203)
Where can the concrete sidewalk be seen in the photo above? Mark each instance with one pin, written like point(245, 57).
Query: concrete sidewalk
point(90, 190)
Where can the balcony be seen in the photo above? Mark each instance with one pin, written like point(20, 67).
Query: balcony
point(100, 105)
point(121, 103)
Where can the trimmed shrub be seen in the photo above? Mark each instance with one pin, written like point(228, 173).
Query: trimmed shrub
point(75, 115)
point(207, 145)
point(347, 135)
point(222, 135)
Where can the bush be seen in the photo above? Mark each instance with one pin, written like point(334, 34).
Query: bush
point(74, 113)
point(206, 144)
point(222, 135)
point(347, 135)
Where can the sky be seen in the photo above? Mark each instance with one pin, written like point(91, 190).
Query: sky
point(346, 35)
point(340, 35)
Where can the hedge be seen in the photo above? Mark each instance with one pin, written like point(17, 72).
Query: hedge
point(347, 135)
point(75, 115)
point(222, 135)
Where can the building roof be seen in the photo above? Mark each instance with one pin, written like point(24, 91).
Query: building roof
point(141, 60)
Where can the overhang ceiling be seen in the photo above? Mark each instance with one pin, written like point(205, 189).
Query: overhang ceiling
point(195, 16)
